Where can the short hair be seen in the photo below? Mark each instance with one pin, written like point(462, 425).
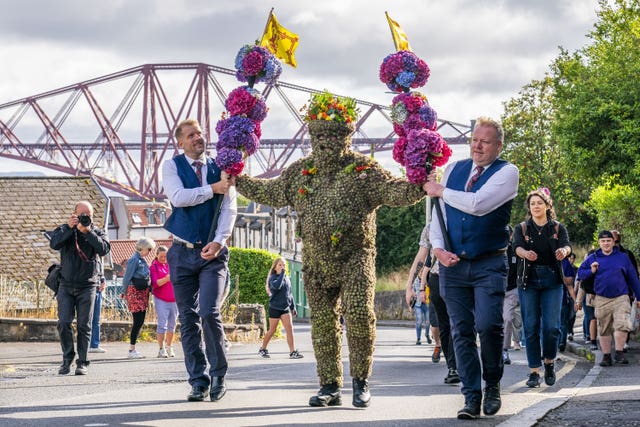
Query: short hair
point(186, 122)
point(145, 243)
point(488, 121)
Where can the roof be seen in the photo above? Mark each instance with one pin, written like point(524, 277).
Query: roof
point(32, 205)
point(121, 250)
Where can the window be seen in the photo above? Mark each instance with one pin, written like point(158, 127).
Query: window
point(136, 218)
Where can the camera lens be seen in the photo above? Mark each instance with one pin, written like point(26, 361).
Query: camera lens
point(84, 219)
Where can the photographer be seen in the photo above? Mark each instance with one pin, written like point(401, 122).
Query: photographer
point(80, 245)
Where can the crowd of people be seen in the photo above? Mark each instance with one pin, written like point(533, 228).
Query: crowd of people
point(475, 278)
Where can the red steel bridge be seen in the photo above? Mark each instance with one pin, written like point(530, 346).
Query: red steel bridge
point(119, 128)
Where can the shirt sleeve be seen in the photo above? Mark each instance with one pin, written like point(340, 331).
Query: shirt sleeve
point(174, 189)
point(227, 218)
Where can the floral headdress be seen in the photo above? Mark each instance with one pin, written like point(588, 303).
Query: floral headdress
point(239, 133)
point(419, 147)
point(326, 106)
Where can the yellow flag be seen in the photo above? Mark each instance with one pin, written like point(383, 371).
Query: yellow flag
point(400, 38)
point(279, 40)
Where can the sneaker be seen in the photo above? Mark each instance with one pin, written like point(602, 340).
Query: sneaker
point(295, 354)
point(620, 359)
point(96, 350)
point(517, 346)
point(452, 377)
point(437, 351)
point(418, 342)
point(133, 354)
point(162, 353)
point(65, 368)
point(570, 337)
point(227, 344)
point(587, 342)
point(606, 360)
point(534, 380)
point(594, 346)
point(549, 374)
point(82, 368)
point(429, 341)
point(263, 352)
point(170, 351)
point(505, 357)
point(626, 347)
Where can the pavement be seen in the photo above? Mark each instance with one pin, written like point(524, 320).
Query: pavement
point(407, 388)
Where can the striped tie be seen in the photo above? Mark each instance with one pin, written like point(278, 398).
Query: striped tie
point(474, 178)
point(198, 165)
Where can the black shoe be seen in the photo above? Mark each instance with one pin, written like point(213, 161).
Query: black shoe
point(361, 395)
point(65, 368)
point(534, 380)
point(471, 411)
point(452, 377)
point(429, 341)
point(328, 395)
point(82, 368)
point(549, 374)
point(606, 360)
point(492, 402)
point(197, 393)
point(620, 359)
point(218, 389)
point(505, 357)
point(562, 347)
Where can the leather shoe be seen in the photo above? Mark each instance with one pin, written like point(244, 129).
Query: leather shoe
point(328, 395)
point(197, 393)
point(470, 411)
point(218, 389)
point(492, 401)
point(361, 394)
point(65, 368)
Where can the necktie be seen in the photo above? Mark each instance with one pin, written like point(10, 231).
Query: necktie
point(474, 178)
point(198, 165)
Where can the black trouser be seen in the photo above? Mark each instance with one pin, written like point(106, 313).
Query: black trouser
point(72, 301)
point(138, 322)
point(446, 339)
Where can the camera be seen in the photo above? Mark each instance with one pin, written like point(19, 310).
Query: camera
point(84, 219)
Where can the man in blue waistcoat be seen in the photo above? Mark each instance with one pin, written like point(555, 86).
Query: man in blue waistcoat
point(204, 212)
point(476, 196)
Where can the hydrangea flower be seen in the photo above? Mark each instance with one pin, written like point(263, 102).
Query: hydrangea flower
point(257, 64)
point(403, 70)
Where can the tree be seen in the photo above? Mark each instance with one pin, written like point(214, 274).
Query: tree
point(597, 119)
point(398, 233)
point(529, 143)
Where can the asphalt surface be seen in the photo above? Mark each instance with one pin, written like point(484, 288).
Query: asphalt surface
point(407, 389)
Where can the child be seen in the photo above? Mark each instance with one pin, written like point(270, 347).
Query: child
point(281, 307)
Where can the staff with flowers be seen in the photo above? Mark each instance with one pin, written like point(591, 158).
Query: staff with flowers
point(335, 193)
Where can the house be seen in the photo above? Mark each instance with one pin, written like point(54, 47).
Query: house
point(132, 219)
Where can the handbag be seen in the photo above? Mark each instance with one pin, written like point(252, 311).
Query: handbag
point(53, 277)
point(141, 283)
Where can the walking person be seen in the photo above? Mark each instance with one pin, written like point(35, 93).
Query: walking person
point(201, 222)
point(137, 282)
point(541, 243)
point(164, 302)
point(418, 303)
point(81, 245)
point(94, 343)
point(510, 311)
point(614, 275)
point(475, 196)
point(281, 308)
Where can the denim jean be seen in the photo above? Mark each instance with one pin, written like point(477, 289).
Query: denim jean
point(541, 302)
point(566, 326)
point(589, 315)
point(422, 316)
point(95, 323)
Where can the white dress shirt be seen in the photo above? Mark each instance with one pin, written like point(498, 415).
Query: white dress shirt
point(182, 197)
point(499, 189)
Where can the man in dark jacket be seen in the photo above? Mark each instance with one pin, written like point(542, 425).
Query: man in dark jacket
point(80, 245)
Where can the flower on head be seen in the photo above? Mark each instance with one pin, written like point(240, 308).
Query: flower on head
point(326, 106)
point(545, 190)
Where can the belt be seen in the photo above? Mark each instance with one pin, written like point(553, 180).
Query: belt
point(484, 255)
point(187, 244)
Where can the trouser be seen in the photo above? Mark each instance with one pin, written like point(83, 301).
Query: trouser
point(422, 317)
point(567, 317)
point(512, 320)
point(353, 297)
point(474, 293)
point(199, 287)
point(72, 302)
point(446, 340)
point(138, 322)
point(95, 323)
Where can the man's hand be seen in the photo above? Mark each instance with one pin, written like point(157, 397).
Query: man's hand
point(73, 221)
point(211, 250)
point(446, 258)
point(594, 266)
point(83, 229)
point(222, 186)
point(433, 189)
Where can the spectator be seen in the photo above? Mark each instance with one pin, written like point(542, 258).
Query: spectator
point(567, 312)
point(94, 344)
point(201, 222)
point(164, 302)
point(419, 305)
point(137, 281)
point(614, 275)
point(281, 307)
point(81, 245)
point(511, 312)
point(585, 298)
point(476, 195)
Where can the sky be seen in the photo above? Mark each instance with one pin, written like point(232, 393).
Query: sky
point(480, 52)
